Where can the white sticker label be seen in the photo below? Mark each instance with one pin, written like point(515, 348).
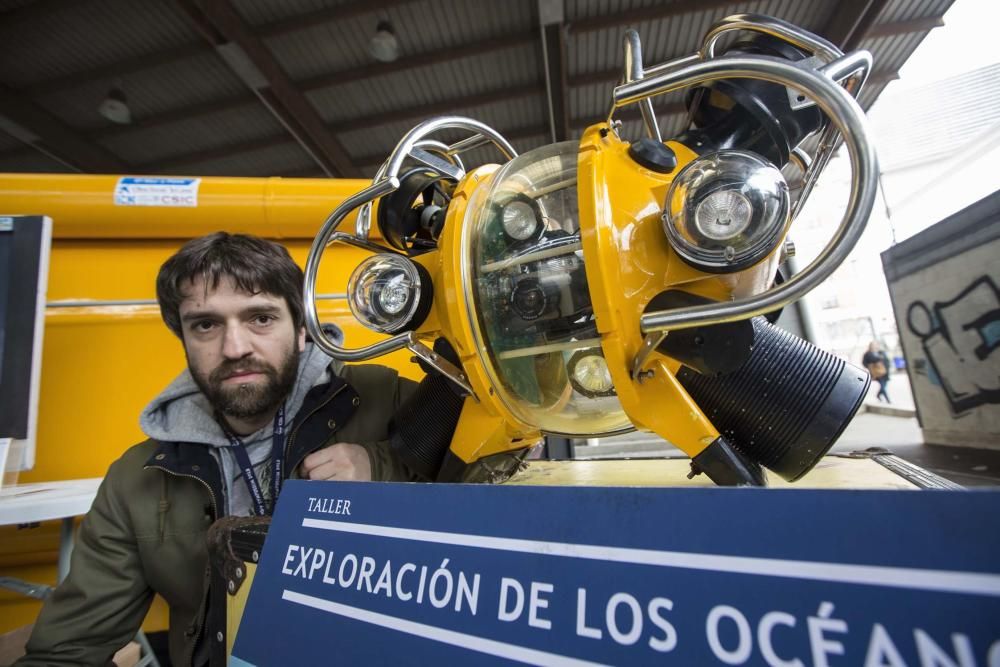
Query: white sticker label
point(137, 191)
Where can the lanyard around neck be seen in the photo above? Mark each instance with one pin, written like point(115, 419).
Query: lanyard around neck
point(277, 463)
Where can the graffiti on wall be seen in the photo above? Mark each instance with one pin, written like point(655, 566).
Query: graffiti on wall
point(961, 341)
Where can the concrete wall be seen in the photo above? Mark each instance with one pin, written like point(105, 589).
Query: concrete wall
point(945, 288)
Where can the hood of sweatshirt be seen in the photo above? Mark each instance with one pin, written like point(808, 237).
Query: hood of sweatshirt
point(181, 413)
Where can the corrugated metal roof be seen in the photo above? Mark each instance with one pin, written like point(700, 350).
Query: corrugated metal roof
point(32, 162)
point(503, 116)
point(601, 50)
point(186, 83)
point(9, 8)
point(430, 84)
point(343, 44)
point(259, 12)
point(8, 142)
point(284, 157)
point(242, 126)
point(51, 40)
point(889, 53)
point(63, 57)
point(905, 10)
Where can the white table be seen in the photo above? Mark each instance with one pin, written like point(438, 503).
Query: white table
point(47, 501)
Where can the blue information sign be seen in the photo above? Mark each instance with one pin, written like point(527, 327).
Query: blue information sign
point(357, 573)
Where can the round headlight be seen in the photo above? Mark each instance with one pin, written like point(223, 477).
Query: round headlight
point(394, 295)
point(723, 215)
point(389, 293)
point(521, 219)
point(589, 374)
point(726, 211)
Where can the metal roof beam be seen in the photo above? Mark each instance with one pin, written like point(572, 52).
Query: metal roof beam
point(851, 20)
point(925, 24)
point(552, 30)
point(247, 56)
point(45, 133)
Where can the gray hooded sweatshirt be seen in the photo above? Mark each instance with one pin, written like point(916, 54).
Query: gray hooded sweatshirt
point(181, 413)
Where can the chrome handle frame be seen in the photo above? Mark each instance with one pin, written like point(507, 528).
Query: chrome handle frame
point(412, 145)
point(634, 72)
point(769, 25)
point(832, 80)
point(362, 226)
point(846, 116)
point(851, 71)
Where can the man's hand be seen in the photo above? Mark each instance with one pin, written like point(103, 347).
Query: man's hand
point(342, 461)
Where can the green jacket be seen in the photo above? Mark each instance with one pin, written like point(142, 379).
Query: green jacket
point(145, 533)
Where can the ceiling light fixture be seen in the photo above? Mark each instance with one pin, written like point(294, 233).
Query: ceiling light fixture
point(384, 46)
point(114, 107)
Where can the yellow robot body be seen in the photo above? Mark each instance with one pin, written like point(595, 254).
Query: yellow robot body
point(589, 288)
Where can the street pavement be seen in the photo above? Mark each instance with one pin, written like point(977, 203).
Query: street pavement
point(896, 430)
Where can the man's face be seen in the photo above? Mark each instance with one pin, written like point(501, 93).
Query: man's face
point(242, 348)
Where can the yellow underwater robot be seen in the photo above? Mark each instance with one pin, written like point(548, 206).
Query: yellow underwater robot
point(589, 288)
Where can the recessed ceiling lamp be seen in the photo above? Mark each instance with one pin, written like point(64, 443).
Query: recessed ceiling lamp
point(384, 46)
point(114, 107)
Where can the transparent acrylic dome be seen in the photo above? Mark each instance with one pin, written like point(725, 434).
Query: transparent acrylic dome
point(531, 308)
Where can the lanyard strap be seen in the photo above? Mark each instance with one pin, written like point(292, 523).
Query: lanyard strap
point(277, 463)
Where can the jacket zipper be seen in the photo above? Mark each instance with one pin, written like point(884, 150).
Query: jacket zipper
point(215, 513)
point(295, 431)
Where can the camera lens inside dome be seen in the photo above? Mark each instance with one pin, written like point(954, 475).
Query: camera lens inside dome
point(528, 299)
point(529, 302)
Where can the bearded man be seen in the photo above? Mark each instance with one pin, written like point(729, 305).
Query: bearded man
point(257, 404)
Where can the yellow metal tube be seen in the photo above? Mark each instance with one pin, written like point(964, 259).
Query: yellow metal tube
point(83, 207)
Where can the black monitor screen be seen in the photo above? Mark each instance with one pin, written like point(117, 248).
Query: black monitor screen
point(24, 247)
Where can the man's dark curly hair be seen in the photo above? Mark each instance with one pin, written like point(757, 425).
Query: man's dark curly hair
point(254, 264)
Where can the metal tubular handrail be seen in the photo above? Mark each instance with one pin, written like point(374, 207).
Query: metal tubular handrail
point(769, 26)
point(855, 63)
point(362, 227)
point(845, 114)
point(415, 138)
point(852, 71)
point(633, 72)
point(319, 244)
point(409, 146)
point(409, 141)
